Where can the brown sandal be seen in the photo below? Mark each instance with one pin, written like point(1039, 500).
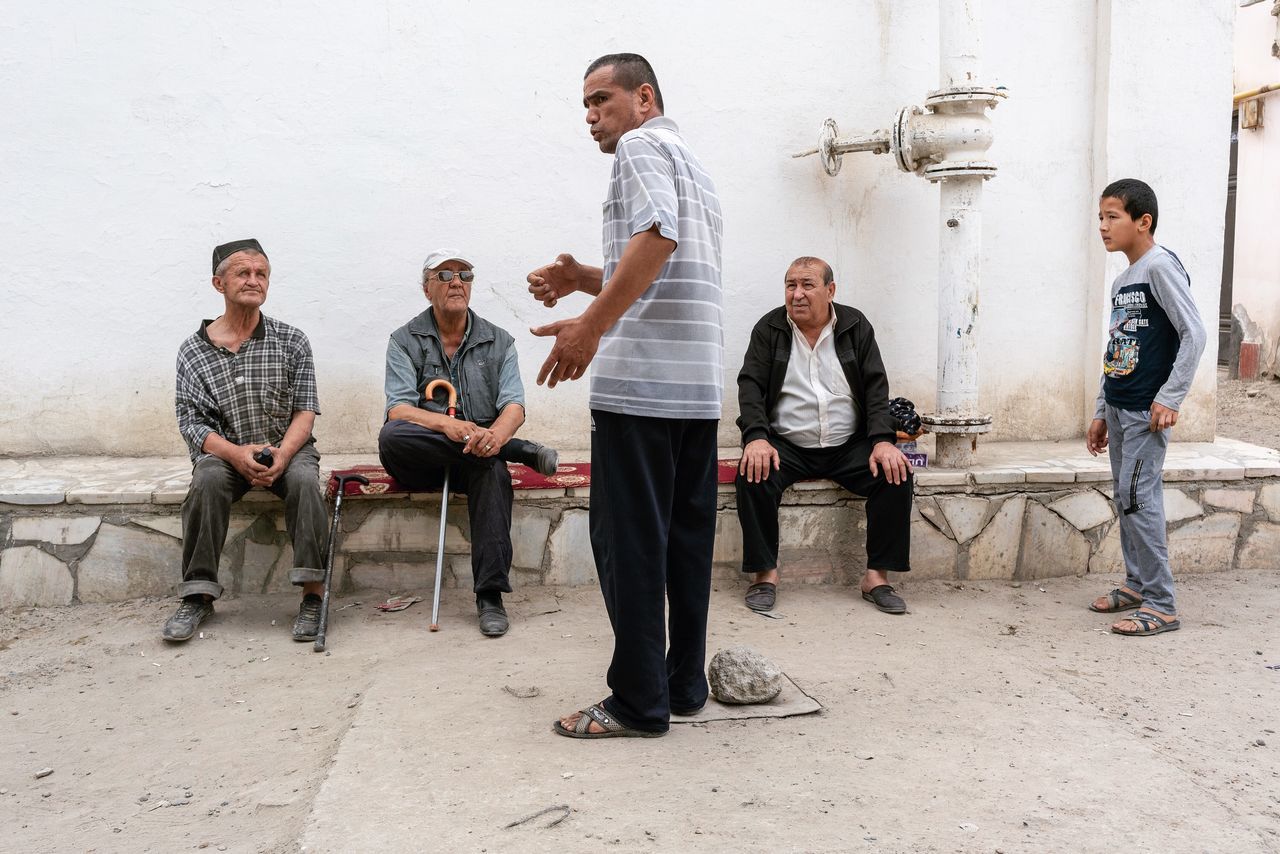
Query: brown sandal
point(1118, 600)
point(613, 728)
point(1148, 623)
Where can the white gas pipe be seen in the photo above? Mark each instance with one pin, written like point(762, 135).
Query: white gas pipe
point(946, 142)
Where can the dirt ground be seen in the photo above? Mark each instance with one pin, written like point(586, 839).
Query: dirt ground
point(1249, 411)
point(991, 718)
point(994, 717)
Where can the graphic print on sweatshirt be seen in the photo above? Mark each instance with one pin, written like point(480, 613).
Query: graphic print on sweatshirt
point(1128, 316)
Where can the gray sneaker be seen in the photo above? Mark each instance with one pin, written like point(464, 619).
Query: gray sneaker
point(184, 622)
point(307, 625)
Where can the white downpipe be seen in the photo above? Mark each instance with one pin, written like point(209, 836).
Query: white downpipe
point(957, 421)
point(959, 43)
point(959, 268)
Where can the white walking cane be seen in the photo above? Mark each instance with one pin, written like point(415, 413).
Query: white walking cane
point(452, 412)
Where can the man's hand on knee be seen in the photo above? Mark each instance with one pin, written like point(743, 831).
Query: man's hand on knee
point(758, 459)
point(885, 455)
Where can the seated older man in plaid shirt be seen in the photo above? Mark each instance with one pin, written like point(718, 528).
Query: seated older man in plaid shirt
point(247, 382)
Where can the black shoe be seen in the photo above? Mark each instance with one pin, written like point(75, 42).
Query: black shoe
point(548, 460)
point(762, 596)
point(307, 624)
point(493, 617)
point(883, 597)
point(535, 455)
point(184, 622)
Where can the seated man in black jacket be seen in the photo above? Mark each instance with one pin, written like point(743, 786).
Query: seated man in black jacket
point(814, 402)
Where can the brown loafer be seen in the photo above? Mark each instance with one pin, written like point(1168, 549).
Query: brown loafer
point(762, 596)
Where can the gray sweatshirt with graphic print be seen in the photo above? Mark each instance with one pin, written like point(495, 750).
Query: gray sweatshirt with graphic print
point(1156, 337)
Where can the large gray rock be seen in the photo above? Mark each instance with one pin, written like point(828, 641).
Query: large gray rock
point(740, 675)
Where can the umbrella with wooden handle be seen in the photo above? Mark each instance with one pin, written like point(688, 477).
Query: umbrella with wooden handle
point(452, 411)
point(342, 480)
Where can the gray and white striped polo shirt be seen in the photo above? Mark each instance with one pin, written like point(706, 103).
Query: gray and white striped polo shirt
point(664, 357)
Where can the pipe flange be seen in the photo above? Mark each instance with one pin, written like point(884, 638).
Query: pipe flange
point(987, 96)
point(900, 138)
point(826, 148)
point(952, 424)
point(959, 169)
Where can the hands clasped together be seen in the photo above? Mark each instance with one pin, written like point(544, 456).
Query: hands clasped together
point(256, 473)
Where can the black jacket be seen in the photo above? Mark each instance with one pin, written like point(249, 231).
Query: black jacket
point(765, 367)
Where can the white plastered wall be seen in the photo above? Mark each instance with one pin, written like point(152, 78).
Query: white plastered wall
point(1165, 117)
point(1256, 274)
point(351, 138)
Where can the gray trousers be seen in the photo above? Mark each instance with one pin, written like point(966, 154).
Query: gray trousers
point(206, 513)
point(1137, 470)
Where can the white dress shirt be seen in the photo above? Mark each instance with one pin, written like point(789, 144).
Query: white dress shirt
point(815, 408)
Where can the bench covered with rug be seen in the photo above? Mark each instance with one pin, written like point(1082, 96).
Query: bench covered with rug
point(567, 476)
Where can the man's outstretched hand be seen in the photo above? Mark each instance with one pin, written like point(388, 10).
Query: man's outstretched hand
point(575, 347)
point(557, 279)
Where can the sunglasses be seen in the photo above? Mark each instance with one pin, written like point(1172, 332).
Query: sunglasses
point(446, 276)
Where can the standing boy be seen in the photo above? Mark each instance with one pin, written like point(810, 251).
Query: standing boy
point(1156, 340)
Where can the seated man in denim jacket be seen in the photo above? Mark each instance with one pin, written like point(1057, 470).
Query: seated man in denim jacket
point(419, 440)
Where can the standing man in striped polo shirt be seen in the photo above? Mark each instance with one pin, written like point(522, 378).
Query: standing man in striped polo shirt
point(655, 332)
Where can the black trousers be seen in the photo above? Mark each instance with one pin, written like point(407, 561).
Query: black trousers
point(206, 514)
point(888, 506)
point(418, 457)
point(653, 523)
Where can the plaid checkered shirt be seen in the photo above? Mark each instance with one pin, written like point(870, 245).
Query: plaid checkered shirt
point(246, 397)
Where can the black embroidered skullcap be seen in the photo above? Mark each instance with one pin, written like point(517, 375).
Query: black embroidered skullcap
point(226, 250)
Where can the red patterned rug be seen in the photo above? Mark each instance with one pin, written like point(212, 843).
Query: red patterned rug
point(567, 475)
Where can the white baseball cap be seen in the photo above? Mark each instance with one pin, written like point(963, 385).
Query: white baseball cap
point(438, 257)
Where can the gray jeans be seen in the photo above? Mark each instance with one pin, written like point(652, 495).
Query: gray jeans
point(1137, 469)
point(206, 513)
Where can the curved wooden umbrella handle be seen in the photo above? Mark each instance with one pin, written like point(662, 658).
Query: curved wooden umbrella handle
point(430, 392)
